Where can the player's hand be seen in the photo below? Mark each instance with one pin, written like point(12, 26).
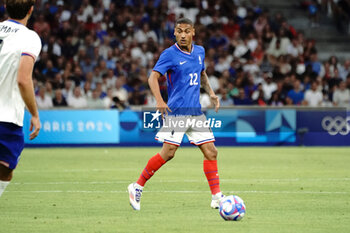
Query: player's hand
point(215, 100)
point(163, 108)
point(35, 126)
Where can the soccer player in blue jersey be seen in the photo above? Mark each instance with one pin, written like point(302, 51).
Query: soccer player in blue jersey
point(19, 48)
point(183, 65)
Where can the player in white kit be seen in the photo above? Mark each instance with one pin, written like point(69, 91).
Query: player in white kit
point(19, 49)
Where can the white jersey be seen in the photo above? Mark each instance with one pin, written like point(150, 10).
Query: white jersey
point(16, 40)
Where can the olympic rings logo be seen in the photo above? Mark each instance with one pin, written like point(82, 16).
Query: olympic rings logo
point(336, 125)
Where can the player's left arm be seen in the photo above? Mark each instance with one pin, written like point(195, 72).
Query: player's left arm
point(206, 85)
point(26, 88)
point(31, 48)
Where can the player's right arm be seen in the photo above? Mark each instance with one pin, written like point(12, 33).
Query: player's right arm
point(25, 84)
point(154, 85)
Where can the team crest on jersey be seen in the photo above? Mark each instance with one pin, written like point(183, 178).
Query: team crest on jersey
point(200, 60)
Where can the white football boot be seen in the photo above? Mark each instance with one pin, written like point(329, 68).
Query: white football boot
point(215, 200)
point(135, 192)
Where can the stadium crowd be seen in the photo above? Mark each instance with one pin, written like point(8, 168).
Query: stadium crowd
point(98, 54)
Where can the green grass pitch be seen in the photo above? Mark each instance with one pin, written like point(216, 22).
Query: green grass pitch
point(286, 190)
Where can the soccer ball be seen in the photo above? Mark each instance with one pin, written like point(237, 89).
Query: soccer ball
point(232, 208)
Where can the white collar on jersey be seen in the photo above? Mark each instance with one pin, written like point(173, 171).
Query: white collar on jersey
point(177, 46)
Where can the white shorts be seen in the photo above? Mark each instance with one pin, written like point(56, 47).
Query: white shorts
point(174, 128)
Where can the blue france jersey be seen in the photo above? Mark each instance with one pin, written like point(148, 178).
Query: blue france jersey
point(183, 71)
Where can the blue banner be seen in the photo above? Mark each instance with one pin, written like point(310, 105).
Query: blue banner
point(326, 128)
point(240, 127)
point(75, 127)
point(256, 126)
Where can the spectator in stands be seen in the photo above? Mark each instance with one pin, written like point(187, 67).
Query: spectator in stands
point(313, 96)
point(43, 100)
point(218, 40)
point(119, 91)
point(275, 100)
point(274, 51)
point(77, 100)
point(250, 85)
point(138, 93)
point(230, 28)
point(144, 34)
point(59, 100)
point(87, 65)
point(268, 85)
point(326, 101)
point(258, 96)
point(279, 44)
point(110, 79)
point(314, 14)
point(251, 67)
point(345, 70)
point(260, 24)
point(224, 99)
point(242, 98)
point(335, 79)
point(95, 102)
point(142, 53)
point(296, 95)
point(223, 64)
point(295, 48)
point(267, 35)
point(101, 89)
point(252, 41)
point(334, 63)
point(67, 91)
point(87, 89)
point(259, 53)
point(49, 91)
point(314, 63)
point(283, 65)
point(108, 100)
point(52, 46)
point(341, 96)
point(49, 71)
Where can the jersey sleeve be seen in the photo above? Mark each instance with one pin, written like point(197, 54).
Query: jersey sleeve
point(164, 62)
point(31, 45)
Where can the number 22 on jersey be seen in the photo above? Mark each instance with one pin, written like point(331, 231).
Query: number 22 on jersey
point(194, 79)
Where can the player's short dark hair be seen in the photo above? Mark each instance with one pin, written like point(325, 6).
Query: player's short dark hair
point(184, 21)
point(18, 9)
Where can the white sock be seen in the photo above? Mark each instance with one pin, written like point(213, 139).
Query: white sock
point(217, 196)
point(136, 185)
point(3, 185)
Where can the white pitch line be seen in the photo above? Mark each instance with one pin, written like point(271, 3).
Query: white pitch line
point(73, 170)
point(69, 182)
point(181, 181)
point(180, 191)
